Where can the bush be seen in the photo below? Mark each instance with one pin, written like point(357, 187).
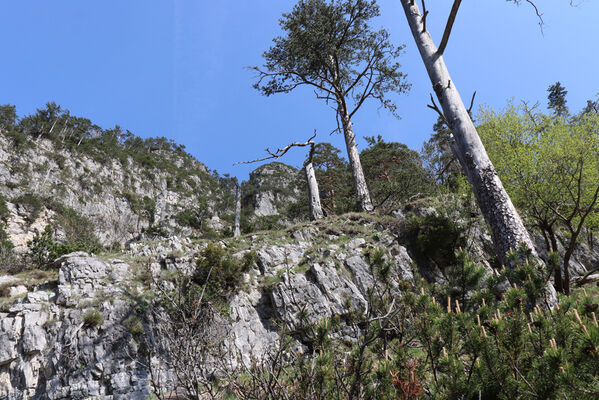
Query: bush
point(190, 218)
point(435, 238)
point(92, 319)
point(43, 249)
point(134, 325)
point(220, 272)
point(32, 203)
point(425, 343)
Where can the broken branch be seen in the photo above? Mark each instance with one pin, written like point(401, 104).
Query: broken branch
point(280, 152)
point(449, 26)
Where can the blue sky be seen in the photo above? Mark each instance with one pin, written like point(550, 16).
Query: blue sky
point(178, 68)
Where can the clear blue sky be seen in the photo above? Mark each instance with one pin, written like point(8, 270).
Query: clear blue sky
point(177, 68)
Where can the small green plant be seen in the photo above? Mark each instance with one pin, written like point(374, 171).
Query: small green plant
point(32, 203)
point(92, 319)
point(134, 325)
point(220, 272)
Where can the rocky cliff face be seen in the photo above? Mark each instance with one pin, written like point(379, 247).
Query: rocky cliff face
point(89, 326)
point(116, 198)
point(86, 332)
point(271, 194)
point(83, 335)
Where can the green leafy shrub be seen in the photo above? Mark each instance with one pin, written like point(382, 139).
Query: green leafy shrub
point(32, 203)
point(460, 340)
point(143, 206)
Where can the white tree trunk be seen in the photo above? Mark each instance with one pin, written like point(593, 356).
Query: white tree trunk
point(313, 192)
point(506, 225)
point(237, 229)
point(362, 193)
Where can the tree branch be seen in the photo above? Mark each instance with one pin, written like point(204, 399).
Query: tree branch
point(436, 108)
point(424, 15)
point(471, 103)
point(281, 152)
point(450, 20)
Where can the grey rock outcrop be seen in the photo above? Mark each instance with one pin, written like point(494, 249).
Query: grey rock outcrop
point(119, 197)
point(271, 189)
point(73, 339)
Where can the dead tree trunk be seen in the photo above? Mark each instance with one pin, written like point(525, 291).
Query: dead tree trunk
point(315, 206)
point(362, 193)
point(237, 229)
point(313, 192)
point(507, 228)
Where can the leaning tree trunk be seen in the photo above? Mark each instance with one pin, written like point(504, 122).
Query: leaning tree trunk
point(362, 194)
point(507, 228)
point(315, 207)
point(237, 229)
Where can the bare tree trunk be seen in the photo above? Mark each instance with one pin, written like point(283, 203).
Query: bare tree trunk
point(315, 207)
point(507, 228)
point(237, 229)
point(362, 194)
point(557, 274)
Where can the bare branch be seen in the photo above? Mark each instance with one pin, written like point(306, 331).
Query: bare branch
point(281, 151)
point(449, 26)
point(424, 15)
point(436, 108)
point(471, 102)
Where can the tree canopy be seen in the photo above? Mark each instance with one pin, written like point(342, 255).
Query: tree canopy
point(550, 167)
point(330, 46)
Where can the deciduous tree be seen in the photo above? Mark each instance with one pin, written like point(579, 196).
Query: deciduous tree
point(550, 167)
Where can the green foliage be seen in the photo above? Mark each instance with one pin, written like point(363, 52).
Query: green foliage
point(43, 249)
point(77, 229)
point(7, 257)
point(334, 179)
point(440, 163)
point(92, 319)
point(435, 238)
point(508, 347)
point(3, 208)
point(426, 343)
point(550, 168)
point(327, 45)
point(134, 325)
point(220, 272)
point(32, 203)
point(8, 117)
point(156, 232)
point(143, 206)
point(189, 218)
point(557, 99)
point(394, 173)
point(463, 278)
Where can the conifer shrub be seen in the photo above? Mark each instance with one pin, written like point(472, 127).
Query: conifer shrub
point(43, 249)
point(219, 271)
point(463, 339)
point(434, 237)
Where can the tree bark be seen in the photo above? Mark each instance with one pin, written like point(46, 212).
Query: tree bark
point(362, 193)
point(507, 228)
point(315, 206)
point(237, 229)
point(557, 274)
point(567, 256)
